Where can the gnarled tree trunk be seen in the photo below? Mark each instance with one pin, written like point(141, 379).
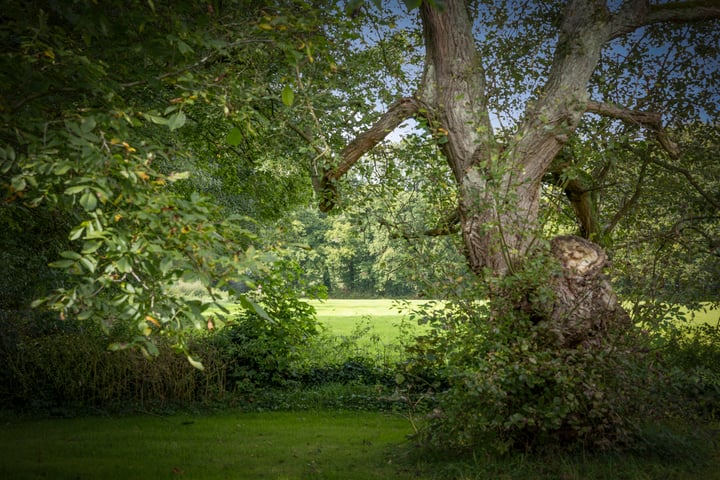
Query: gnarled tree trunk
point(500, 191)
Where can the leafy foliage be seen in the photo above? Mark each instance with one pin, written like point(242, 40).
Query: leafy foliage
point(260, 344)
point(508, 385)
point(97, 119)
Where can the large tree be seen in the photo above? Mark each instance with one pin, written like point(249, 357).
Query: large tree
point(499, 178)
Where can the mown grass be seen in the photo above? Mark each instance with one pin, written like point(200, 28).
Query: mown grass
point(302, 445)
point(279, 445)
point(341, 317)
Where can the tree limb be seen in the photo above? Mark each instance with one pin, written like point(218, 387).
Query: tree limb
point(448, 225)
point(650, 120)
point(398, 112)
point(638, 13)
point(628, 203)
point(199, 63)
point(691, 180)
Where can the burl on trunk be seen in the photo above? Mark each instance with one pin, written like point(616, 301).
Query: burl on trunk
point(585, 307)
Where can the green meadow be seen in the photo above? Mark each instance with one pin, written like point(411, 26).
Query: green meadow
point(342, 317)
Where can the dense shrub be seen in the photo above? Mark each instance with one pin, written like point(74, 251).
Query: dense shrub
point(690, 357)
point(508, 389)
point(260, 344)
point(511, 386)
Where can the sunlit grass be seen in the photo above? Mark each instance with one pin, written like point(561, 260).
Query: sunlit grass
point(341, 317)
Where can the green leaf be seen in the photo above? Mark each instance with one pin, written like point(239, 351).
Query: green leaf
point(18, 183)
point(71, 255)
point(288, 96)
point(412, 4)
point(124, 265)
point(88, 125)
point(176, 121)
point(234, 137)
point(166, 265)
point(91, 246)
point(62, 264)
point(88, 201)
point(77, 232)
point(75, 189)
point(36, 303)
point(62, 168)
point(253, 307)
point(88, 263)
point(114, 347)
point(184, 47)
point(156, 119)
point(152, 348)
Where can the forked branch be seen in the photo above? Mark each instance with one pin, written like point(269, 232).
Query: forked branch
point(653, 121)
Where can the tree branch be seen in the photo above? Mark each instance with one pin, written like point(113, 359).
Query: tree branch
point(398, 112)
point(448, 225)
point(650, 120)
point(195, 65)
point(691, 180)
point(628, 203)
point(638, 13)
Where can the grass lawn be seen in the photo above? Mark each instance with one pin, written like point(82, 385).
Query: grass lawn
point(294, 445)
point(383, 316)
point(314, 444)
point(708, 316)
point(279, 445)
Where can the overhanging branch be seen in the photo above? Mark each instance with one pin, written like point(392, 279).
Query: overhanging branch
point(691, 180)
point(447, 226)
point(398, 112)
point(653, 121)
point(638, 13)
point(650, 120)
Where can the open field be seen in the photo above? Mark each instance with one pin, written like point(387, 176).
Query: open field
point(709, 316)
point(341, 316)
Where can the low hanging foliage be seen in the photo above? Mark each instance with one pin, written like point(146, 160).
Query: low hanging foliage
point(134, 238)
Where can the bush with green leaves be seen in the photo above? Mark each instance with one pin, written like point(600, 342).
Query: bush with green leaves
point(261, 342)
point(690, 357)
point(508, 385)
point(64, 367)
